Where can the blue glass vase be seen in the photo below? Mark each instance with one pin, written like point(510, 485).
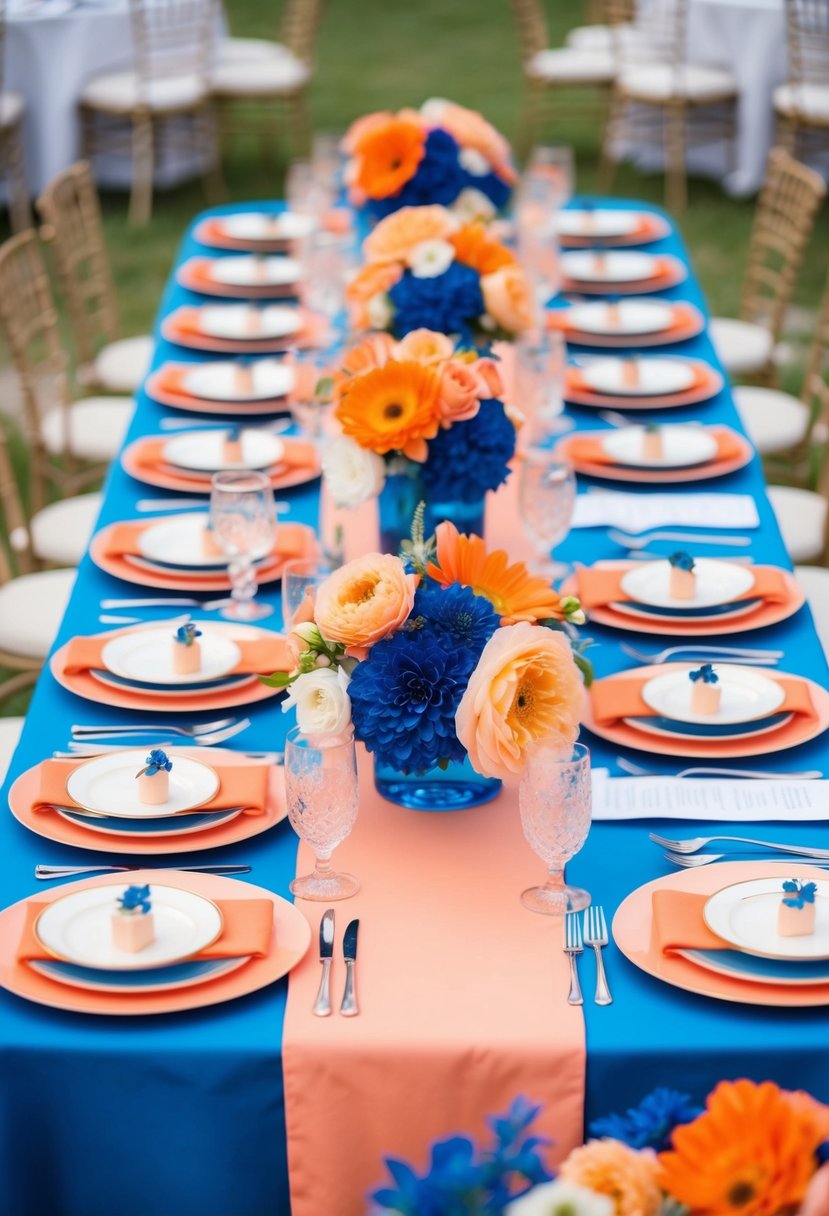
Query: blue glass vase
point(451, 789)
point(399, 498)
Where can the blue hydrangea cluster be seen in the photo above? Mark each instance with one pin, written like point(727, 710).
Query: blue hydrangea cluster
point(440, 178)
point(470, 457)
point(651, 1123)
point(449, 303)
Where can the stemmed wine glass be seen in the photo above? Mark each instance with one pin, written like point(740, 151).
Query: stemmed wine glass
point(300, 579)
point(323, 798)
point(243, 519)
point(547, 498)
point(554, 799)
point(539, 376)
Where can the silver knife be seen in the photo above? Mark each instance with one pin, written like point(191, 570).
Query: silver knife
point(322, 1005)
point(349, 1007)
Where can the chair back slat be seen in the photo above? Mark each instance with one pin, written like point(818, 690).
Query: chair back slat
point(300, 26)
point(807, 35)
point(532, 27)
point(173, 38)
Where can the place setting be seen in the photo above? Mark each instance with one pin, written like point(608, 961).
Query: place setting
point(239, 387)
point(611, 227)
point(657, 453)
point(641, 382)
point(246, 277)
point(254, 231)
point(623, 271)
point(244, 328)
point(685, 595)
point(623, 323)
point(156, 799)
point(151, 941)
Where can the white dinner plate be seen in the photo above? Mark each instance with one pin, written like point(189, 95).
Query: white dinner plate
point(718, 582)
point(627, 317)
point(746, 695)
point(267, 226)
point(146, 656)
point(178, 542)
point(615, 266)
point(599, 223)
point(203, 451)
point(649, 376)
point(78, 927)
point(269, 379)
point(155, 979)
point(682, 446)
point(106, 785)
point(243, 322)
point(251, 270)
point(744, 914)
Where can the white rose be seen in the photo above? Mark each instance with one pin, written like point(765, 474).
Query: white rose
point(432, 109)
point(379, 311)
point(431, 258)
point(320, 698)
point(352, 474)
point(561, 1199)
point(474, 162)
point(471, 205)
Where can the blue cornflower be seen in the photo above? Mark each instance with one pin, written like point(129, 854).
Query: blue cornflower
point(470, 457)
point(650, 1124)
point(458, 616)
point(404, 697)
point(449, 303)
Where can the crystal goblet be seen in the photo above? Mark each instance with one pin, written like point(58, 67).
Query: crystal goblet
point(554, 800)
point(243, 519)
point(323, 798)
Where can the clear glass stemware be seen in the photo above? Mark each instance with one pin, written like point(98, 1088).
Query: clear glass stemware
point(323, 798)
point(554, 798)
point(547, 496)
point(300, 580)
point(243, 519)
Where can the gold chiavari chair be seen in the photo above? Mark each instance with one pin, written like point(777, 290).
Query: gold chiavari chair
point(71, 223)
point(562, 82)
point(253, 78)
point(165, 99)
point(71, 442)
point(782, 427)
point(803, 515)
point(802, 103)
point(661, 98)
point(11, 143)
point(598, 35)
point(783, 222)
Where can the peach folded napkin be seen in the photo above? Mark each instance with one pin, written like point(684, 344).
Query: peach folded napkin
point(599, 586)
point(575, 382)
point(122, 539)
point(257, 657)
point(312, 329)
point(247, 927)
point(244, 785)
point(588, 449)
point(621, 697)
point(200, 272)
point(296, 454)
point(683, 317)
point(663, 268)
point(678, 923)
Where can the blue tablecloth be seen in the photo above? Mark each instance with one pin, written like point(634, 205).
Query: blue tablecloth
point(182, 1115)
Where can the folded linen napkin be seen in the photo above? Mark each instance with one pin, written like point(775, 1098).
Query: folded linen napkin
point(576, 382)
point(296, 454)
point(599, 586)
point(292, 540)
point(257, 656)
point(678, 924)
point(588, 449)
point(621, 697)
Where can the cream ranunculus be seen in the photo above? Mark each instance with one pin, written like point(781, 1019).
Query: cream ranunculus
point(320, 698)
point(352, 474)
point(560, 1199)
point(430, 259)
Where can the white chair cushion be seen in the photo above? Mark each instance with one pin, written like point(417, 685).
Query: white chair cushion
point(577, 66)
point(801, 517)
point(97, 426)
point(120, 91)
point(775, 421)
point(10, 729)
point(815, 582)
point(11, 107)
point(660, 81)
point(809, 100)
point(274, 74)
point(121, 366)
point(742, 346)
point(31, 610)
point(61, 532)
point(236, 50)
point(627, 38)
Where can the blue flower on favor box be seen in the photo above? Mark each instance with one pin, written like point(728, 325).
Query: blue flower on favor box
point(135, 898)
point(651, 1123)
point(403, 702)
point(449, 303)
point(681, 560)
point(471, 457)
point(798, 894)
point(456, 615)
point(157, 762)
point(187, 634)
point(705, 673)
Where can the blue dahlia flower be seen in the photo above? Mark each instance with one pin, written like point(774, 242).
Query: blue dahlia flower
point(439, 177)
point(650, 1124)
point(449, 303)
point(494, 187)
point(471, 457)
point(458, 616)
point(404, 697)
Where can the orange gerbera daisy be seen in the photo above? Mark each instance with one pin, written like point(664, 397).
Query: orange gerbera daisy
point(513, 592)
point(388, 157)
point(476, 248)
point(393, 409)
point(751, 1152)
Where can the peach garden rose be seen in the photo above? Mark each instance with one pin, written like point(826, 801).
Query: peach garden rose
point(397, 235)
point(364, 601)
point(508, 298)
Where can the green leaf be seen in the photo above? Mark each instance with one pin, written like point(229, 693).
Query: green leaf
point(585, 667)
point(280, 679)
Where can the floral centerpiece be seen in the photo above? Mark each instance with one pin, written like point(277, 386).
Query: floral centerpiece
point(421, 421)
point(441, 153)
point(451, 664)
point(424, 269)
point(755, 1150)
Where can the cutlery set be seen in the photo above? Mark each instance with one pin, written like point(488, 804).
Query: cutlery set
point(46, 872)
point(206, 734)
point(591, 931)
point(349, 1007)
point(688, 854)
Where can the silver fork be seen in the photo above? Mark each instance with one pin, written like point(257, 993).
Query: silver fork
point(77, 750)
point(180, 424)
point(142, 728)
point(740, 654)
point(694, 861)
point(694, 843)
point(595, 935)
point(689, 538)
point(45, 872)
point(573, 947)
point(636, 770)
point(173, 602)
point(206, 738)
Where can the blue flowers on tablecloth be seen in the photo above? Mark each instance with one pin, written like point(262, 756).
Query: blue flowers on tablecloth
point(470, 457)
point(650, 1124)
